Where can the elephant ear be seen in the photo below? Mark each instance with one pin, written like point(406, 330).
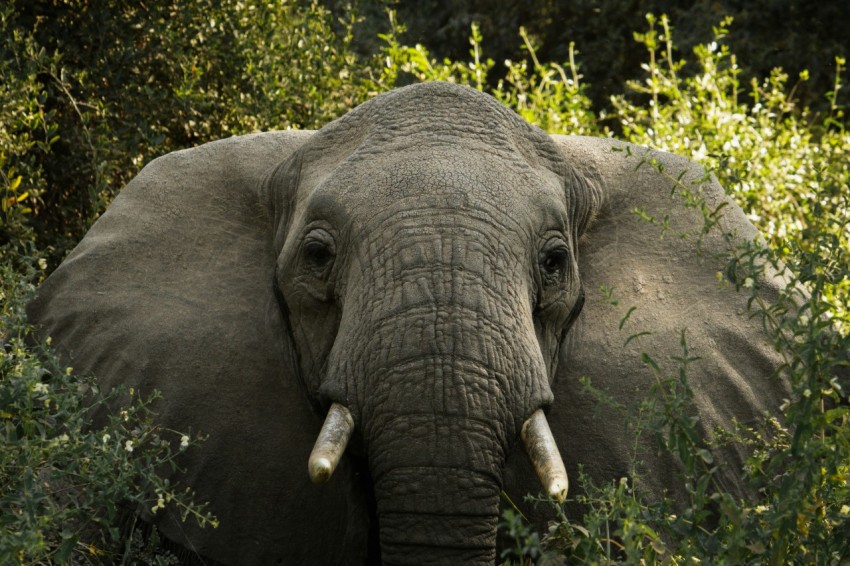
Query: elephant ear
point(172, 290)
point(641, 251)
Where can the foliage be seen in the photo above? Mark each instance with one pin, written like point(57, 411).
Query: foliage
point(784, 166)
point(92, 91)
point(791, 33)
point(402, 62)
point(542, 93)
point(26, 134)
point(63, 482)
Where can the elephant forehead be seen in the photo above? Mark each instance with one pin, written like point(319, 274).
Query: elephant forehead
point(459, 182)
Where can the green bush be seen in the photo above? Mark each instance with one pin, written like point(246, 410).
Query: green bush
point(784, 166)
point(26, 135)
point(63, 483)
point(93, 91)
point(797, 35)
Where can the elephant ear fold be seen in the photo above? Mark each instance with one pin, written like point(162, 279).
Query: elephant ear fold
point(585, 194)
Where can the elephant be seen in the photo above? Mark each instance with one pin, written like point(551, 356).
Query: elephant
point(401, 299)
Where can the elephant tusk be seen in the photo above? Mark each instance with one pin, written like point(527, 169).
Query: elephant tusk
point(543, 453)
point(331, 443)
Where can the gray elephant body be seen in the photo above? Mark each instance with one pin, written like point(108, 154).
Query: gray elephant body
point(255, 280)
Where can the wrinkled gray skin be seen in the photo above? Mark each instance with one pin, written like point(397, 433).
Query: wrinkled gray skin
point(419, 261)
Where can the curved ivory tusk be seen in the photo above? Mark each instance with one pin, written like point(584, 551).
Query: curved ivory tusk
point(330, 444)
point(543, 453)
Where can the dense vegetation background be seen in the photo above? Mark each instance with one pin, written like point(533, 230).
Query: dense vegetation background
point(767, 33)
point(90, 91)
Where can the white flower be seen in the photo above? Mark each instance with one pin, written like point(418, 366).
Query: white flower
point(40, 388)
point(128, 446)
point(184, 442)
point(160, 503)
point(845, 510)
point(105, 438)
point(807, 393)
point(748, 283)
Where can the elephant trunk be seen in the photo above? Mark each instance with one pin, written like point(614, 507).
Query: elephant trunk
point(437, 489)
point(438, 360)
point(437, 516)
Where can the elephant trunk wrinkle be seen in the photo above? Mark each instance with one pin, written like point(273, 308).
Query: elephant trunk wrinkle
point(439, 442)
point(438, 358)
point(437, 515)
point(438, 540)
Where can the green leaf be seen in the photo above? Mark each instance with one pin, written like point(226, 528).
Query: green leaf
point(626, 316)
point(63, 553)
point(647, 359)
point(634, 336)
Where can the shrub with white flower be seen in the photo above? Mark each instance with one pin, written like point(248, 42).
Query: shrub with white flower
point(63, 481)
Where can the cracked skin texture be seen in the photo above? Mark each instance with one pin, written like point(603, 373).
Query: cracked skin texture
point(434, 320)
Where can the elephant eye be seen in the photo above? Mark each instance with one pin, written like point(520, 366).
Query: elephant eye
point(319, 251)
point(554, 259)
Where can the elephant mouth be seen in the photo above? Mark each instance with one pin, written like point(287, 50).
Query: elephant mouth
point(535, 434)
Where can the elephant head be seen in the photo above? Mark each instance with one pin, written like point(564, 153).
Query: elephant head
point(427, 276)
point(410, 271)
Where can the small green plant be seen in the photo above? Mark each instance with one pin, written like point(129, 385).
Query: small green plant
point(549, 95)
point(526, 542)
point(400, 63)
